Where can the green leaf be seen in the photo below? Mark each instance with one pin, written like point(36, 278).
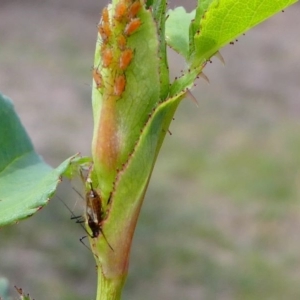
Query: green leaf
point(227, 19)
point(142, 90)
point(194, 27)
point(177, 29)
point(77, 163)
point(130, 187)
point(26, 181)
point(129, 113)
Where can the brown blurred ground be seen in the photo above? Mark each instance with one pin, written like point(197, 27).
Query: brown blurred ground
point(221, 218)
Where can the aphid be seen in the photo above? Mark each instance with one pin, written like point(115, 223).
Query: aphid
point(105, 15)
point(132, 26)
point(134, 9)
point(103, 35)
point(120, 10)
point(97, 78)
point(125, 58)
point(95, 213)
point(104, 31)
point(107, 57)
point(119, 86)
point(122, 42)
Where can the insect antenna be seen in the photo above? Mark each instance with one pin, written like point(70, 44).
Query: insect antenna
point(109, 245)
point(79, 220)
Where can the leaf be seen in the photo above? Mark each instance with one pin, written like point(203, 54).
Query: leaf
point(26, 181)
point(194, 27)
point(77, 163)
point(177, 29)
point(119, 121)
point(227, 19)
point(130, 187)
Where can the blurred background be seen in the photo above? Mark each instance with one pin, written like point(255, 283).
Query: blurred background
point(221, 219)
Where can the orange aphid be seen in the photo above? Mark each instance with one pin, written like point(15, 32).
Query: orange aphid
point(97, 78)
point(125, 58)
point(107, 57)
point(134, 9)
point(122, 42)
point(105, 31)
point(120, 10)
point(102, 33)
point(119, 86)
point(105, 15)
point(132, 26)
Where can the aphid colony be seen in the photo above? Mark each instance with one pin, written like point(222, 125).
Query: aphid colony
point(116, 26)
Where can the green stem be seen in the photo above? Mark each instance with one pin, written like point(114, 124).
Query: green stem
point(109, 288)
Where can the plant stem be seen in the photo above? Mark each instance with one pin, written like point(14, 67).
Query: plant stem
point(109, 288)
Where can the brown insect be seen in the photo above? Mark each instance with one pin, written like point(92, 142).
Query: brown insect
point(95, 213)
